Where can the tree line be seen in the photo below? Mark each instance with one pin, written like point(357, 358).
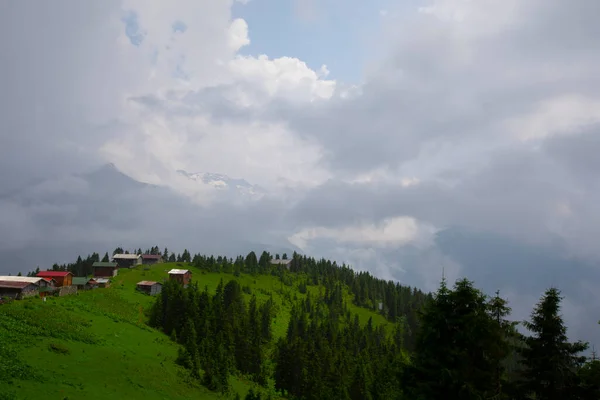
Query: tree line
point(219, 334)
point(462, 343)
point(466, 347)
point(454, 343)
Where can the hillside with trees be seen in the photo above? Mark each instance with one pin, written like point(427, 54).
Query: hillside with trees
point(249, 328)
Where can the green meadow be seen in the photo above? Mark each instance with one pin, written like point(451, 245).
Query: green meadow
point(97, 345)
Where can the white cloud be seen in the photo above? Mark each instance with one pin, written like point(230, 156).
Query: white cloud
point(392, 232)
point(285, 77)
point(561, 115)
point(238, 34)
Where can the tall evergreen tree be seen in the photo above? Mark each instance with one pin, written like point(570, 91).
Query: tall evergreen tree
point(251, 263)
point(457, 352)
point(105, 258)
point(551, 362)
point(589, 376)
point(503, 348)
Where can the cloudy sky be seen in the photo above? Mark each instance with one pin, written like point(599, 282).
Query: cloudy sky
point(402, 137)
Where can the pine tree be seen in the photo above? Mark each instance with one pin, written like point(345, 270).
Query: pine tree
point(456, 348)
point(550, 361)
point(589, 376)
point(251, 263)
point(166, 254)
point(105, 258)
point(264, 261)
point(502, 348)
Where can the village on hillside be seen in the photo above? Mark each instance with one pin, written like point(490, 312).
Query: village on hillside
point(62, 283)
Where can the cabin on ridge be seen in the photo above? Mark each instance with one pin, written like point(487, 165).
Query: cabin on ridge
point(20, 287)
point(127, 260)
point(104, 269)
point(149, 287)
point(182, 276)
point(285, 263)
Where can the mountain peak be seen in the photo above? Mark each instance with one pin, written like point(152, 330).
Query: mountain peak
point(225, 183)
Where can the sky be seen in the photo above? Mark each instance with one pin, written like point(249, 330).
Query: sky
point(404, 139)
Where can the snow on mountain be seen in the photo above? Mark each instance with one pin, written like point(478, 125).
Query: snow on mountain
point(225, 184)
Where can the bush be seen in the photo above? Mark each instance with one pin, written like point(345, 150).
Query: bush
point(8, 395)
point(59, 348)
point(11, 367)
point(302, 287)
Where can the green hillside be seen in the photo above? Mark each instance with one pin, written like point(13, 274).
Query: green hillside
point(97, 344)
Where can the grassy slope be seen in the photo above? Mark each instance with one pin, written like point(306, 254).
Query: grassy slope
point(111, 352)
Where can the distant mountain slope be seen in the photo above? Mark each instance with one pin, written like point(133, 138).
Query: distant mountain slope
point(56, 219)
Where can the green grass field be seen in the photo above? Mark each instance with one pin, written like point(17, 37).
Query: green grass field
point(96, 345)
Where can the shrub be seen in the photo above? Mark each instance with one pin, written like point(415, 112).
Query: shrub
point(59, 348)
point(8, 395)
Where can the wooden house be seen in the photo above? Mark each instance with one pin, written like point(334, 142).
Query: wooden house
point(127, 260)
point(34, 279)
point(150, 259)
point(50, 282)
point(149, 287)
point(62, 278)
point(104, 269)
point(18, 289)
point(84, 283)
point(182, 276)
point(285, 263)
point(102, 282)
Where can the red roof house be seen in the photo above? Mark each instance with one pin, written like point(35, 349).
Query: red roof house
point(62, 278)
point(50, 281)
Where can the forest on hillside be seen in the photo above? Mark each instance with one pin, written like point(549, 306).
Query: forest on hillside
point(456, 343)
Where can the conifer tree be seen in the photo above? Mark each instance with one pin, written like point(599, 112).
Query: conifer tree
point(551, 362)
point(251, 263)
point(105, 258)
point(457, 352)
point(589, 376)
point(501, 349)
